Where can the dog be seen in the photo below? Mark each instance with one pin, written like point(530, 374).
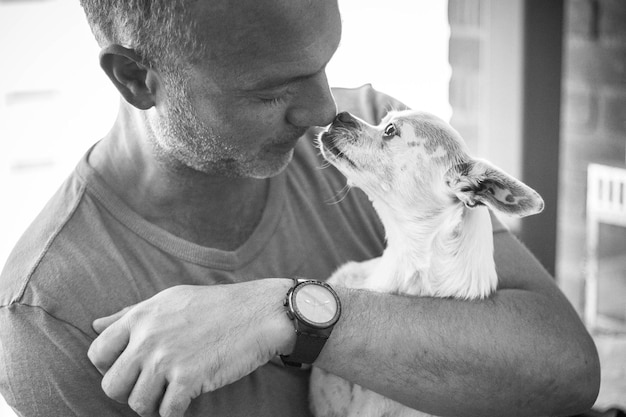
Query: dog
point(433, 200)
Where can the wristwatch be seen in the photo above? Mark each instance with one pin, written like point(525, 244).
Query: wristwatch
point(314, 308)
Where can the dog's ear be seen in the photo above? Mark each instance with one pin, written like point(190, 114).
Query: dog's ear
point(479, 183)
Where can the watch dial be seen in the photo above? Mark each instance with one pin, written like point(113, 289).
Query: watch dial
point(316, 303)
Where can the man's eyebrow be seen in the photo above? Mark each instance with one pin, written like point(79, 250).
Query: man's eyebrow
point(280, 81)
point(275, 83)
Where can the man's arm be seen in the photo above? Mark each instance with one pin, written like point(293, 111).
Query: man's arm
point(521, 352)
point(188, 340)
point(44, 370)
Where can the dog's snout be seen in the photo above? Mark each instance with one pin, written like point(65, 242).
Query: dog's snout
point(345, 119)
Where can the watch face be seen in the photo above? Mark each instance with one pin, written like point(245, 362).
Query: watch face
point(316, 304)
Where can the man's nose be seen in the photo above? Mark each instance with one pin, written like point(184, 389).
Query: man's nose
point(315, 105)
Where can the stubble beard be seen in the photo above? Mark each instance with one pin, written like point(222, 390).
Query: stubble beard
point(182, 141)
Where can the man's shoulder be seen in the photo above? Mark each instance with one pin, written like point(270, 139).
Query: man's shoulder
point(365, 102)
point(30, 250)
point(59, 263)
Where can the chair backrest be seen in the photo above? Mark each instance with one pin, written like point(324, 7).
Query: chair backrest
point(606, 203)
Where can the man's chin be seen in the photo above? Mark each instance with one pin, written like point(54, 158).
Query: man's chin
point(271, 166)
point(266, 165)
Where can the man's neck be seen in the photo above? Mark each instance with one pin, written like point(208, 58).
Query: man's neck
point(216, 212)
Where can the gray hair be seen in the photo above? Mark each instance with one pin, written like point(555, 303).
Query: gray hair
point(160, 31)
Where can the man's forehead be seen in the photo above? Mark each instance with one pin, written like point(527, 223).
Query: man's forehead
point(252, 23)
point(255, 36)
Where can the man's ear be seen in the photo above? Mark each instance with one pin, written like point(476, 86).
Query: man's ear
point(125, 69)
point(479, 183)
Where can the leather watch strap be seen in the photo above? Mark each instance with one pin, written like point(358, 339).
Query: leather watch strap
point(308, 347)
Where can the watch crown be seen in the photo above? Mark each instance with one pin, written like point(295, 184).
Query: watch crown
point(285, 302)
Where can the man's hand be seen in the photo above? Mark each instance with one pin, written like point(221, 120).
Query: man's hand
point(163, 352)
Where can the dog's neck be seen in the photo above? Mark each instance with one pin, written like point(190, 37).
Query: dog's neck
point(446, 254)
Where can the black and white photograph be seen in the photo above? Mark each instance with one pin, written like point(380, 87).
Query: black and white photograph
point(313, 208)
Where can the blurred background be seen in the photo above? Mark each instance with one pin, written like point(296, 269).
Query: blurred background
point(538, 87)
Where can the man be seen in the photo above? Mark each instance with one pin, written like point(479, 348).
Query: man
point(204, 200)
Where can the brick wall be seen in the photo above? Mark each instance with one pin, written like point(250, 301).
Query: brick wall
point(593, 123)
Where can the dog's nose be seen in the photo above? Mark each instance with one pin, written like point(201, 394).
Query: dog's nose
point(345, 119)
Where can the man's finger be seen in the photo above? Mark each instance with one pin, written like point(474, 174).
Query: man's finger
point(120, 379)
point(99, 325)
point(107, 347)
point(175, 401)
point(146, 395)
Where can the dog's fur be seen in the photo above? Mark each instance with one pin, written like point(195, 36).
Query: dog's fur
point(433, 200)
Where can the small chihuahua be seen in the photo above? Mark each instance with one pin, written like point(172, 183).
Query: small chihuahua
point(433, 200)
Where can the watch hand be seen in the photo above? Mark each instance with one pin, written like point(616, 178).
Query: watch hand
point(315, 302)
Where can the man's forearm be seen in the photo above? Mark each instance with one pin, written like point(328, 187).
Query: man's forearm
point(518, 353)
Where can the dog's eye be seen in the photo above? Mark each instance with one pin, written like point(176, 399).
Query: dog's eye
point(390, 131)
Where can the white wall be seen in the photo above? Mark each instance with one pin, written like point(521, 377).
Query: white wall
point(400, 47)
point(54, 103)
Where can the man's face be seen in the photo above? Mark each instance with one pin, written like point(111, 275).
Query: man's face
point(261, 86)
